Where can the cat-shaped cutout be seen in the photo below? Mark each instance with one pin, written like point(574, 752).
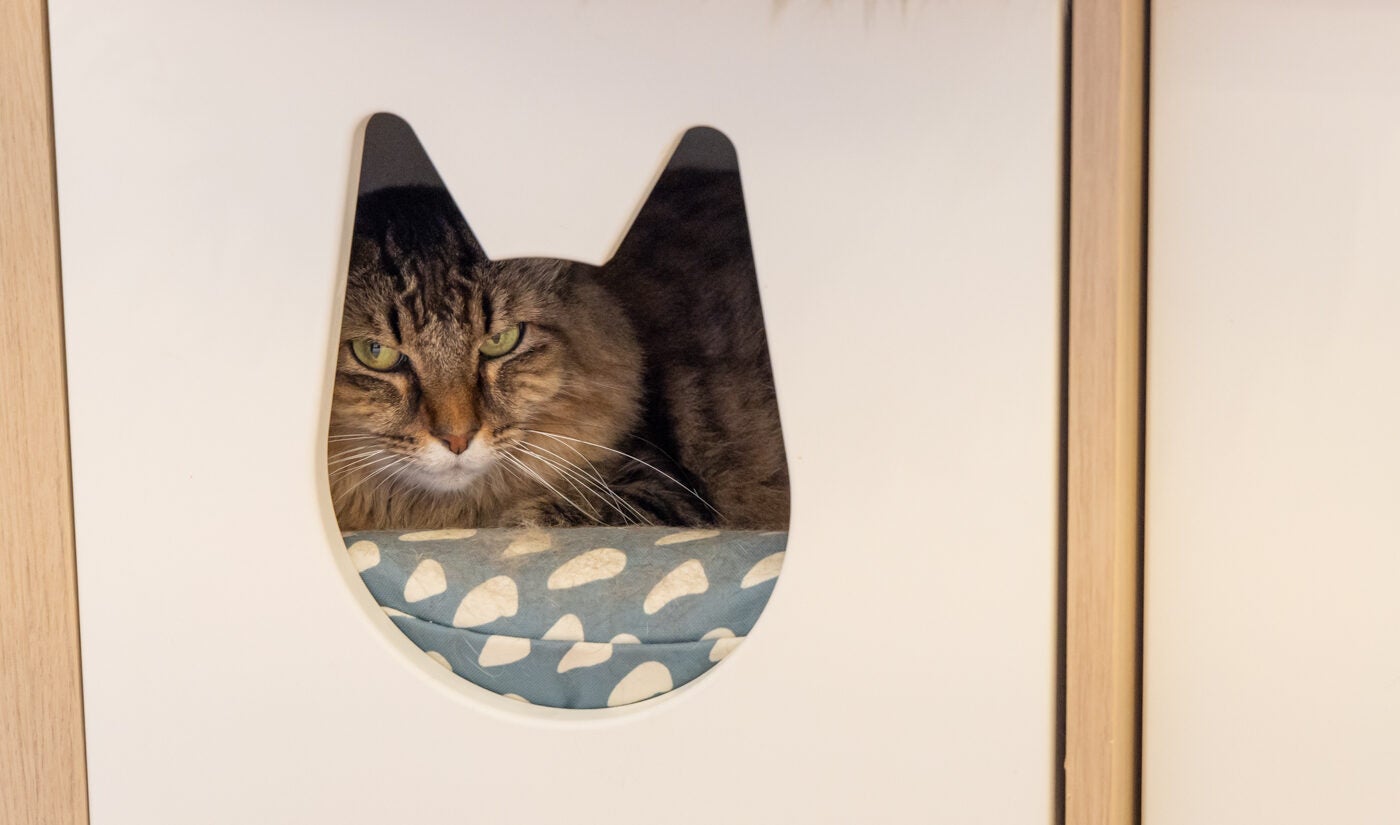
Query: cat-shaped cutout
point(472, 392)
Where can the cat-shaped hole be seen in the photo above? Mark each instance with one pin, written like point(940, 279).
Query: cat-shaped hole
point(501, 401)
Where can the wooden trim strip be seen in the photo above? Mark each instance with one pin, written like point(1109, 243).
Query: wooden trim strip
point(43, 775)
point(1107, 110)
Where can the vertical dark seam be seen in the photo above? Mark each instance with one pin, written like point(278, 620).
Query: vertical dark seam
point(1062, 528)
point(1141, 547)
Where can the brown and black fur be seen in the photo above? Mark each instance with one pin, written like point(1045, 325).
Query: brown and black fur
point(651, 373)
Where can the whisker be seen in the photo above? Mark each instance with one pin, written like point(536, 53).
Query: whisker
point(596, 486)
point(356, 463)
point(403, 467)
point(540, 479)
point(369, 462)
point(590, 486)
point(415, 497)
point(668, 476)
point(596, 473)
point(513, 474)
point(601, 481)
point(564, 465)
point(582, 491)
point(350, 454)
point(398, 460)
point(656, 447)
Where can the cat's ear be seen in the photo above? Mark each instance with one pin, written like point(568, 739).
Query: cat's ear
point(396, 176)
point(697, 204)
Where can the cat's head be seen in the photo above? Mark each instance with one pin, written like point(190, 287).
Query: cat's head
point(448, 360)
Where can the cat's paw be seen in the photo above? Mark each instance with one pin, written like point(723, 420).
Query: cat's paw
point(535, 514)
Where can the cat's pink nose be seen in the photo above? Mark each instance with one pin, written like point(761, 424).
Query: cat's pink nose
point(456, 442)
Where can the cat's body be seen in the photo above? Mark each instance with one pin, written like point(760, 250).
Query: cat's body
point(635, 392)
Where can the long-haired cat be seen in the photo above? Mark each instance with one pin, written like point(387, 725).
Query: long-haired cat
point(477, 393)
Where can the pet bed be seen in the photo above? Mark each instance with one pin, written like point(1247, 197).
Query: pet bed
point(583, 617)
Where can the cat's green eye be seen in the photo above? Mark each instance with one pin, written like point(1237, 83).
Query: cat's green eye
point(375, 355)
point(502, 342)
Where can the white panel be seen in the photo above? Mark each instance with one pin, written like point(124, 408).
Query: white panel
point(902, 176)
point(1273, 549)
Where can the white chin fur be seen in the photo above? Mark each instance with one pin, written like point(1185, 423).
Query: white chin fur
point(437, 468)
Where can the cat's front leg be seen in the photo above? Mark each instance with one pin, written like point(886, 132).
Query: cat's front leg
point(546, 512)
point(626, 505)
point(646, 502)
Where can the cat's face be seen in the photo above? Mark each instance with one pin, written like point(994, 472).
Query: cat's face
point(449, 361)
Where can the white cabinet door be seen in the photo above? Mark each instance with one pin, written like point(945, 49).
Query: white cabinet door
point(1272, 669)
point(902, 170)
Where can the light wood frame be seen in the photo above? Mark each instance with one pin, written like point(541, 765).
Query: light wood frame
point(1104, 428)
point(43, 771)
point(42, 758)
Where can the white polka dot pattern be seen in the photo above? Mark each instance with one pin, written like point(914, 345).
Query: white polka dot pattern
point(438, 535)
point(503, 650)
point(492, 599)
point(767, 568)
point(724, 647)
point(527, 543)
point(725, 642)
point(364, 555)
point(585, 654)
point(686, 535)
point(687, 580)
point(582, 617)
point(428, 579)
point(645, 681)
point(569, 628)
point(595, 565)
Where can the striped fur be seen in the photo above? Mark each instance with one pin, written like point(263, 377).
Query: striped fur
point(640, 391)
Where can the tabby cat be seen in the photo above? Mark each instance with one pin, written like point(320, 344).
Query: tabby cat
point(477, 393)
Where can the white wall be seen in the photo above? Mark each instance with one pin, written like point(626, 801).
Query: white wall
point(1272, 688)
point(902, 176)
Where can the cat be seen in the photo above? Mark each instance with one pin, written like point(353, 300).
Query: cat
point(542, 392)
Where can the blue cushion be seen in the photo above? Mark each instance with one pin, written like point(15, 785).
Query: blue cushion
point(580, 617)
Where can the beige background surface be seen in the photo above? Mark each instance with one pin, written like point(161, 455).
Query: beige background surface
point(902, 176)
point(1273, 550)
